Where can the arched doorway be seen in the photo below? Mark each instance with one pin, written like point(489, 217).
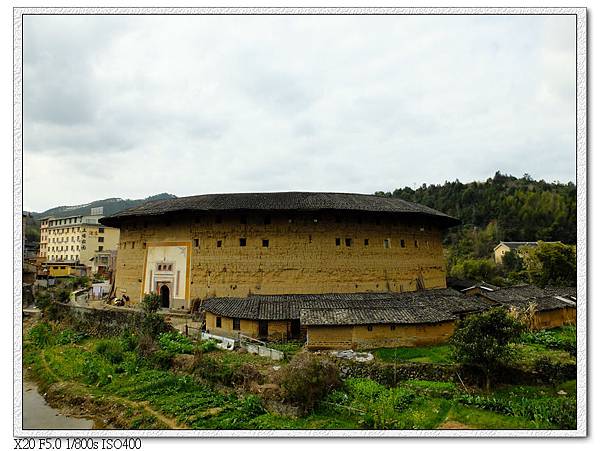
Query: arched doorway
point(164, 296)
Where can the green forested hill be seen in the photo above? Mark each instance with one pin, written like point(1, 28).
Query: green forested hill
point(521, 209)
point(505, 208)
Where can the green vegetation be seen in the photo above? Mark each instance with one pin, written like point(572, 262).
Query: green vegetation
point(505, 208)
point(308, 378)
point(522, 208)
point(426, 354)
point(151, 303)
point(564, 338)
point(484, 341)
point(535, 404)
point(131, 379)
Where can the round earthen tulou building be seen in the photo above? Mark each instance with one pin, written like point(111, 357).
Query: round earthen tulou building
point(271, 265)
point(336, 270)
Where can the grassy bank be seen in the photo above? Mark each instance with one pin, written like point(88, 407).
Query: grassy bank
point(132, 385)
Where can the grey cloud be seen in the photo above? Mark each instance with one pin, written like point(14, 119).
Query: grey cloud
point(234, 103)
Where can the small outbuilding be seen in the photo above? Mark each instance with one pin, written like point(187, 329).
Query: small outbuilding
point(554, 306)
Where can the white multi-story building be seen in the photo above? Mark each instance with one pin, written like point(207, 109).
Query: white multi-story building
point(76, 239)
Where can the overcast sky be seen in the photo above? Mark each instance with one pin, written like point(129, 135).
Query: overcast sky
point(131, 106)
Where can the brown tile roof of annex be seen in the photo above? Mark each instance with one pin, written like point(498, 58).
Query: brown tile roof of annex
point(522, 296)
point(397, 315)
point(282, 202)
point(438, 303)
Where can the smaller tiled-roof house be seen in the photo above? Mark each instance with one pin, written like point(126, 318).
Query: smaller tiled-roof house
point(507, 246)
point(336, 321)
point(555, 306)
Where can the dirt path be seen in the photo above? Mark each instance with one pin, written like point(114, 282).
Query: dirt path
point(450, 424)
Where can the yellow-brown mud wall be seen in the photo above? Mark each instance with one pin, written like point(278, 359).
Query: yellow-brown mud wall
point(247, 327)
point(278, 330)
point(301, 258)
point(381, 336)
point(549, 319)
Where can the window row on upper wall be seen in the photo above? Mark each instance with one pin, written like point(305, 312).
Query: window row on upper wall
point(268, 219)
point(387, 242)
point(348, 242)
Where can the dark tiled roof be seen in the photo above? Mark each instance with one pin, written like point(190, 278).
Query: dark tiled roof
point(438, 304)
point(283, 201)
point(522, 295)
point(518, 244)
point(397, 315)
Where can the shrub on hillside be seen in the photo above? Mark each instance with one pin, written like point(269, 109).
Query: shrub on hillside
point(41, 335)
point(308, 379)
point(69, 336)
point(245, 375)
point(151, 303)
point(129, 341)
point(146, 346)
point(154, 324)
point(175, 343)
point(111, 350)
point(213, 370)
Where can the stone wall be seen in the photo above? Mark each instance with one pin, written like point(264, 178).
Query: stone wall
point(100, 322)
point(390, 374)
point(301, 257)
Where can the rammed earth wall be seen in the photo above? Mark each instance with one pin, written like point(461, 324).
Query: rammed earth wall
point(302, 255)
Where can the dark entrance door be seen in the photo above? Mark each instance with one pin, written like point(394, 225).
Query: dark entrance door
point(263, 328)
point(164, 296)
point(295, 329)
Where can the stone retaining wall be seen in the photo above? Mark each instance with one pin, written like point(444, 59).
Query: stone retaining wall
point(100, 322)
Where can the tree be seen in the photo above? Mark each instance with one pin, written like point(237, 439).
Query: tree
point(552, 264)
point(483, 341)
point(151, 303)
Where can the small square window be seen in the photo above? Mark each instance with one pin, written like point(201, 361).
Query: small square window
point(218, 321)
point(370, 328)
point(100, 229)
point(402, 243)
point(265, 243)
point(100, 239)
point(338, 241)
point(144, 245)
point(100, 248)
point(386, 243)
point(242, 242)
point(348, 242)
point(196, 242)
point(366, 241)
point(236, 324)
point(219, 243)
